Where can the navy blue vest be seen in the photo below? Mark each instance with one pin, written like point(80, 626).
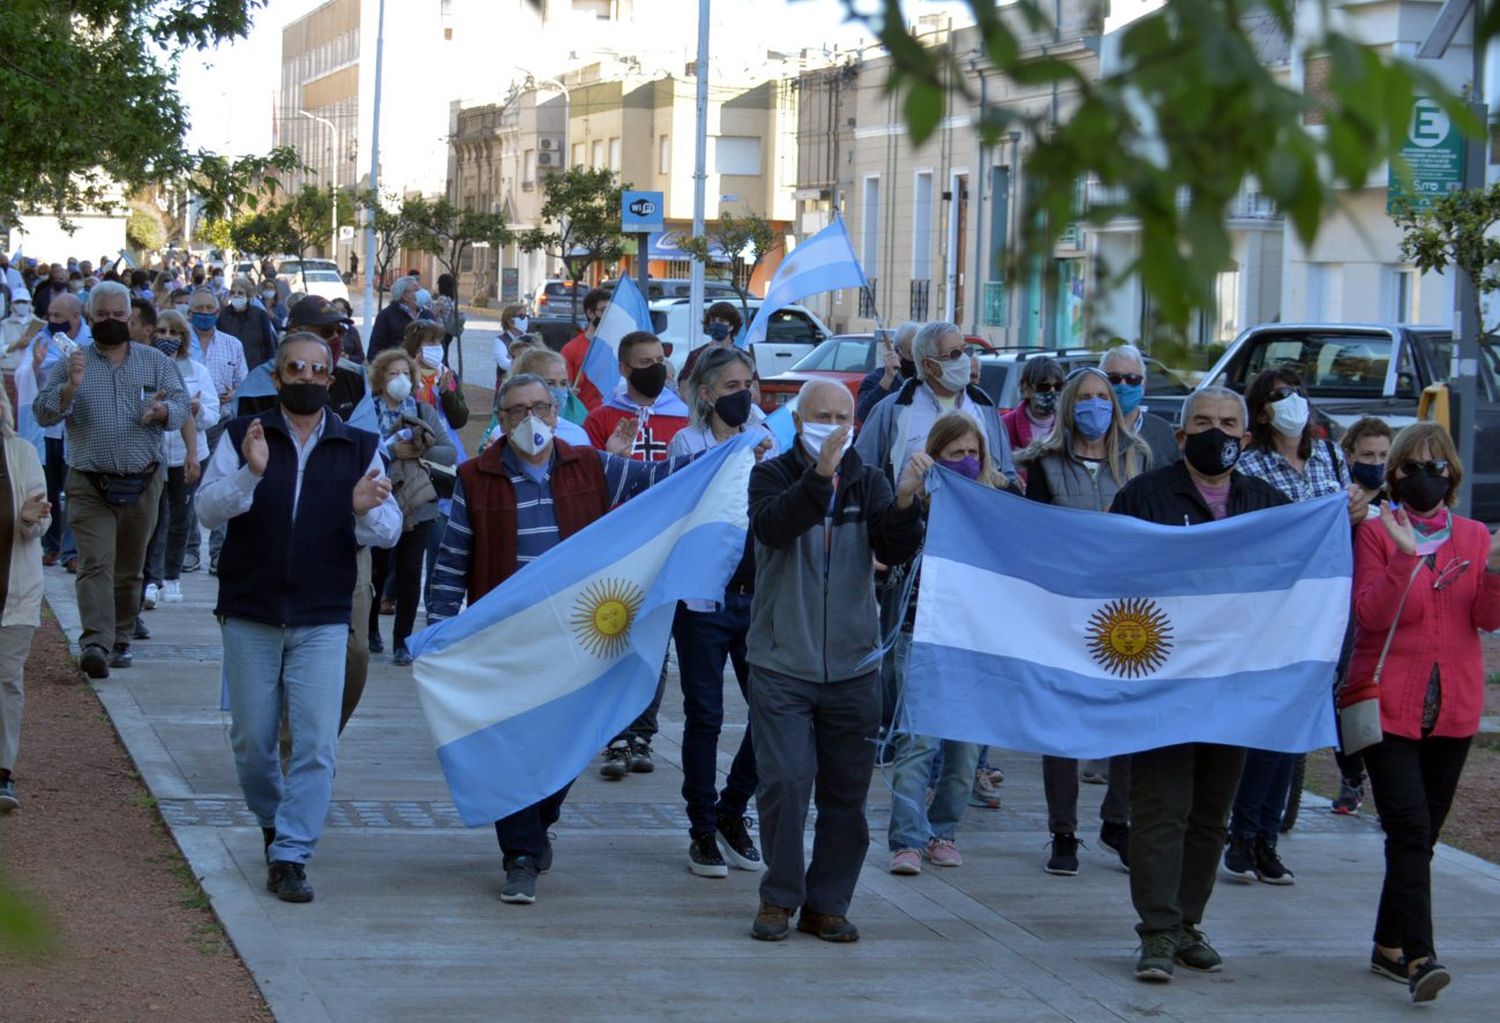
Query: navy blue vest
point(287, 572)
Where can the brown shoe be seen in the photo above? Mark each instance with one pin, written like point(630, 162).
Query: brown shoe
point(828, 928)
point(49, 559)
point(71, 565)
point(772, 923)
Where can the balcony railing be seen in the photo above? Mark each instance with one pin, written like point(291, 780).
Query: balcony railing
point(921, 294)
point(1248, 204)
point(867, 300)
point(993, 313)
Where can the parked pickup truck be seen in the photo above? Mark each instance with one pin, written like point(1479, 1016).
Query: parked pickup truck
point(1356, 370)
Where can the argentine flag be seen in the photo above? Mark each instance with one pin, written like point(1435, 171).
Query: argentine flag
point(627, 312)
point(1079, 634)
point(825, 262)
point(526, 685)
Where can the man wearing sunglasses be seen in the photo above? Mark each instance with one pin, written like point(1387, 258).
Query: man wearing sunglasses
point(298, 493)
point(1125, 367)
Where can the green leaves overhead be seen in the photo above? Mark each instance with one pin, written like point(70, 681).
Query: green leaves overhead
point(1454, 230)
point(582, 217)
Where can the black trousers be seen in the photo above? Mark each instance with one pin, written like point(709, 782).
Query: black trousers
point(1413, 781)
point(524, 833)
point(404, 563)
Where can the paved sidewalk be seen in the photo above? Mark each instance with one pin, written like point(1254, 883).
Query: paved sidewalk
point(407, 924)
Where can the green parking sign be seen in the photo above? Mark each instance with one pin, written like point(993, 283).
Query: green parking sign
point(1434, 156)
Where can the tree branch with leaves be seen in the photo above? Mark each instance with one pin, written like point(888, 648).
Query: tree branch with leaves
point(1454, 230)
point(582, 217)
point(748, 239)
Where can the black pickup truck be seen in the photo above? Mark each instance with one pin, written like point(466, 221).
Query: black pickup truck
point(1357, 370)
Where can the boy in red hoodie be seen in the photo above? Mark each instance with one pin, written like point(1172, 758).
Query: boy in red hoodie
point(643, 367)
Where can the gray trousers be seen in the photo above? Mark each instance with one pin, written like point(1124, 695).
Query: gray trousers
point(1060, 782)
point(15, 644)
point(809, 734)
point(112, 544)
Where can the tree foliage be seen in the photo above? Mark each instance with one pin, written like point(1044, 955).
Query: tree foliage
point(1192, 116)
point(1454, 230)
point(397, 222)
point(143, 230)
point(448, 232)
point(581, 215)
point(89, 98)
point(732, 240)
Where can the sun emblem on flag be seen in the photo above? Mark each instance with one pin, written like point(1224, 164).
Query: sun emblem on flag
point(603, 615)
point(1130, 637)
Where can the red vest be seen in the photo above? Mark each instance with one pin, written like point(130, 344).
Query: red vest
point(579, 497)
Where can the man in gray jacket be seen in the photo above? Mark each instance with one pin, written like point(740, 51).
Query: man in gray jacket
point(898, 427)
point(819, 514)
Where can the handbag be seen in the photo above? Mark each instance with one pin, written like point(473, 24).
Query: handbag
point(1359, 723)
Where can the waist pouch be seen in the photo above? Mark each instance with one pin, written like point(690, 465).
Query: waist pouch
point(122, 489)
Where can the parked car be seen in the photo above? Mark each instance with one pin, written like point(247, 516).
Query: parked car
point(659, 288)
point(792, 332)
point(326, 283)
point(1357, 370)
point(1000, 377)
point(847, 358)
point(553, 299)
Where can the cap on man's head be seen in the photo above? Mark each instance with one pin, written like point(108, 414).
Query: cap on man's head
point(314, 311)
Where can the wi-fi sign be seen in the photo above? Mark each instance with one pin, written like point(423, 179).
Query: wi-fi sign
point(642, 208)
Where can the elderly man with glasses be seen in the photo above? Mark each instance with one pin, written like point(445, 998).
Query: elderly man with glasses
point(298, 493)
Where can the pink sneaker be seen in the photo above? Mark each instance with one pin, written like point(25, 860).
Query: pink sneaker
point(906, 862)
point(944, 853)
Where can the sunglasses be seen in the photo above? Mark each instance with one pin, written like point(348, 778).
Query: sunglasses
point(301, 367)
point(1450, 573)
point(953, 356)
point(1051, 387)
point(1432, 467)
point(1282, 393)
point(1132, 379)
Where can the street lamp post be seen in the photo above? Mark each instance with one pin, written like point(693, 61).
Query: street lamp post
point(333, 239)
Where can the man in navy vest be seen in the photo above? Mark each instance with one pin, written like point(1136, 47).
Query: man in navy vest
point(299, 492)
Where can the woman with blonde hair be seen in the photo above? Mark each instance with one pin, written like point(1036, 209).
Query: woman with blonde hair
point(24, 517)
point(1089, 455)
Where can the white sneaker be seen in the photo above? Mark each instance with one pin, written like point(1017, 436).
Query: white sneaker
point(172, 591)
point(149, 600)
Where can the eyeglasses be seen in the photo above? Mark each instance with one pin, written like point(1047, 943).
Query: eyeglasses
point(1450, 573)
point(1132, 379)
point(301, 367)
point(536, 408)
point(953, 356)
point(1432, 467)
point(1050, 387)
point(1281, 393)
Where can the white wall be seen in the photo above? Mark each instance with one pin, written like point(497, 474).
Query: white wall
point(45, 240)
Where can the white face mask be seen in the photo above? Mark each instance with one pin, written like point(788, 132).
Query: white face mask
point(181, 307)
point(432, 355)
point(1289, 415)
point(531, 436)
point(814, 434)
point(398, 387)
point(21, 310)
point(238, 302)
point(268, 295)
point(520, 323)
point(955, 374)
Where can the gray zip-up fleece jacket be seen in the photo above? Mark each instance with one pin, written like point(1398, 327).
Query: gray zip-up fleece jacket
point(814, 615)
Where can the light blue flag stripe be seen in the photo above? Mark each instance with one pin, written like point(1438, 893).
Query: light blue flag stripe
point(1019, 705)
point(825, 262)
point(1078, 553)
point(628, 311)
point(782, 427)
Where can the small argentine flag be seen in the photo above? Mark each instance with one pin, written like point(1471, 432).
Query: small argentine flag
point(627, 312)
point(526, 685)
point(1079, 634)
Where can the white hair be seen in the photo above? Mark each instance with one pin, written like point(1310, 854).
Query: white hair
point(925, 346)
point(1125, 351)
point(907, 332)
point(104, 289)
point(1214, 393)
point(401, 287)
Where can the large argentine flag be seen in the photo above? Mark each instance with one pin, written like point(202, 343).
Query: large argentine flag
point(825, 262)
point(524, 687)
point(627, 312)
point(1077, 634)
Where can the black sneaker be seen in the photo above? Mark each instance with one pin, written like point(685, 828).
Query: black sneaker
point(289, 881)
point(141, 632)
point(640, 757)
point(1239, 858)
point(120, 656)
point(1158, 954)
point(1195, 953)
point(377, 645)
point(704, 859)
point(1351, 796)
point(520, 881)
point(616, 760)
point(1383, 965)
point(402, 656)
point(1117, 838)
point(94, 661)
point(1064, 858)
point(1268, 866)
point(1427, 980)
point(736, 844)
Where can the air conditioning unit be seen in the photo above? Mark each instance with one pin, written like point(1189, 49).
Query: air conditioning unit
point(549, 145)
point(548, 159)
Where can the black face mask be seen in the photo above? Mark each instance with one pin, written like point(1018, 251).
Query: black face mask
point(1421, 492)
point(1212, 452)
point(303, 398)
point(908, 368)
point(733, 409)
point(1367, 474)
point(111, 333)
point(649, 381)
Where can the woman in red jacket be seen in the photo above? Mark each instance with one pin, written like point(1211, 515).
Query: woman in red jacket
point(1425, 581)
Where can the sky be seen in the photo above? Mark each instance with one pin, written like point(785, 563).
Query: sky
point(228, 90)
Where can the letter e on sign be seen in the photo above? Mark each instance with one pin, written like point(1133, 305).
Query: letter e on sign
point(1429, 124)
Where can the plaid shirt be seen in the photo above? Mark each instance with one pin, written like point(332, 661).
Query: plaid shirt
point(225, 358)
point(1325, 472)
point(104, 431)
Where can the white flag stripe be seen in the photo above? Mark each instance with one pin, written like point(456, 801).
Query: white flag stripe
point(464, 685)
point(1211, 634)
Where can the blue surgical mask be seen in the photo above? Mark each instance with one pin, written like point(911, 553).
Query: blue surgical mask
point(205, 321)
point(1129, 396)
point(559, 397)
point(718, 331)
point(1092, 416)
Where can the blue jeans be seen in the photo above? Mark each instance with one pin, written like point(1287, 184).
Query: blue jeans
point(1261, 799)
point(914, 822)
point(705, 640)
point(300, 668)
